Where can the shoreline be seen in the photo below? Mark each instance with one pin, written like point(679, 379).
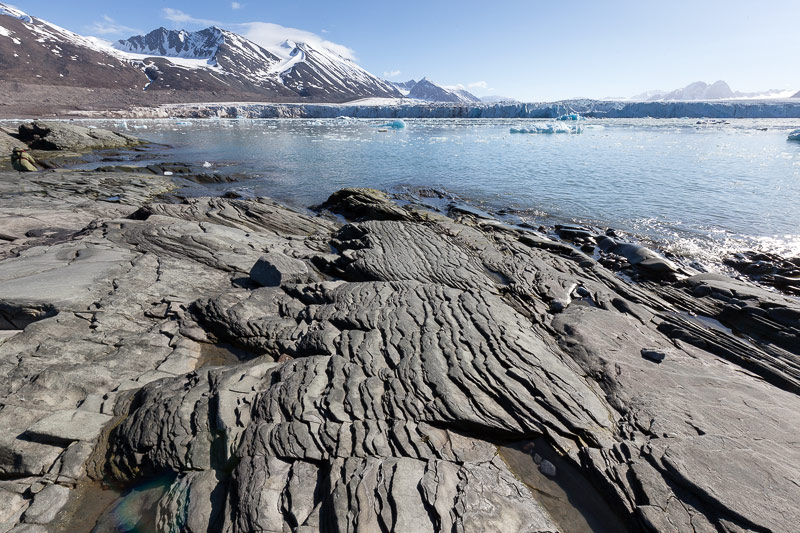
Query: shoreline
point(239, 353)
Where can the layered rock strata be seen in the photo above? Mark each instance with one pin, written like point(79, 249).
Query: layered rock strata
point(235, 365)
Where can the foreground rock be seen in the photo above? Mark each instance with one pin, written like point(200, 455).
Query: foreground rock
point(62, 138)
point(372, 370)
point(42, 135)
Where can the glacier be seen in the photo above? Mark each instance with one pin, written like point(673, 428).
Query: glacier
point(385, 108)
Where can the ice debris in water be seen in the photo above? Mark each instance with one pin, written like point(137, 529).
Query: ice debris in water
point(570, 116)
point(794, 135)
point(206, 165)
point(548, 128)
point(396, 124)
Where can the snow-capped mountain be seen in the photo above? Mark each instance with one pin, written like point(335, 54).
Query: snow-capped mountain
point(214, 61)
point(702, 91)
point(33, 50)
point(429, 91)
point(304, 69)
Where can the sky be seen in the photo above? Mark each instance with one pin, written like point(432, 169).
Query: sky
point(529, 50)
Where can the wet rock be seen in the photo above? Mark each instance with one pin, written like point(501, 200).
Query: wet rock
point(638, 255)
point(547, 468)
point(573, 233)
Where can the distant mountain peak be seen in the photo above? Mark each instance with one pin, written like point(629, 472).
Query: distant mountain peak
point(700, 90)
point(427, 90)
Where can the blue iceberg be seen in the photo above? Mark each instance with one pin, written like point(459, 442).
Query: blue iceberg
point(570, 116)
point(395, 124)
point(794, 135)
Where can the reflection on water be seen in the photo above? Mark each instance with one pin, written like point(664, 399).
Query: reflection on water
point(701, 190)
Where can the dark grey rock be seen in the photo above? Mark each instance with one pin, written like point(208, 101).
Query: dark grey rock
point(359, 203)
point(374, 400)
point(274, 269)
point(64, 136)
point(656, 356)
point(547, 468)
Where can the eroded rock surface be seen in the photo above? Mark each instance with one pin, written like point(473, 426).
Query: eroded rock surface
point(386, 360)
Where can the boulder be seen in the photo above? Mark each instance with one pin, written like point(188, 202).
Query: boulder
point(360, 203)
point(274, 269)
point(43, 135)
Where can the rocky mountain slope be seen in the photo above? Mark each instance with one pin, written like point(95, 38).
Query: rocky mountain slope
point(213, 60)
point(300, 68)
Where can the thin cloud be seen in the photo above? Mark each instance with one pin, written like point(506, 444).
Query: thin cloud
point(478, 85)
point(266, 34)
point(270, 35)
point(108, 26)
point(179, 17)
point(236, 5)
point(391, 73)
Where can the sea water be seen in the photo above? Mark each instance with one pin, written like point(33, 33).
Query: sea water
point(696, 189)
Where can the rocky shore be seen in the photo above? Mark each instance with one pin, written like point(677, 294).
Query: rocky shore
point(224, 364)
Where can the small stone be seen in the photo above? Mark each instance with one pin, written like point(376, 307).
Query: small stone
point(653, 355)
point(547, 468)
point(537, 458)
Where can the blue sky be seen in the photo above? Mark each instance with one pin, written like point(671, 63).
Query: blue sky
point(530, 50)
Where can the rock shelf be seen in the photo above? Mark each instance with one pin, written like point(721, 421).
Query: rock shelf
point(369, 370)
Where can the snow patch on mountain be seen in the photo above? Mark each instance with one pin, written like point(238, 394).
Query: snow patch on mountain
point(14, 12)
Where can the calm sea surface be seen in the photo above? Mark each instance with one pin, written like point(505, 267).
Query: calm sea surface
point(698, 190)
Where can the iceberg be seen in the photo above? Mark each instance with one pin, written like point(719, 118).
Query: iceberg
point(395, 124)
point(548, 128)
point(794, 135)
point(570, 116)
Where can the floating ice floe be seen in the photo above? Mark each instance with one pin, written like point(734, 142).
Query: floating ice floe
point(206, 165)
point(570, 116)
point(395, 124)
point(548, 128)
point(794, 135)
point(183, 123)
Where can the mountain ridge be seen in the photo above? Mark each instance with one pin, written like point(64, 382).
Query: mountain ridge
point(212, 60)
point(427, 90)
